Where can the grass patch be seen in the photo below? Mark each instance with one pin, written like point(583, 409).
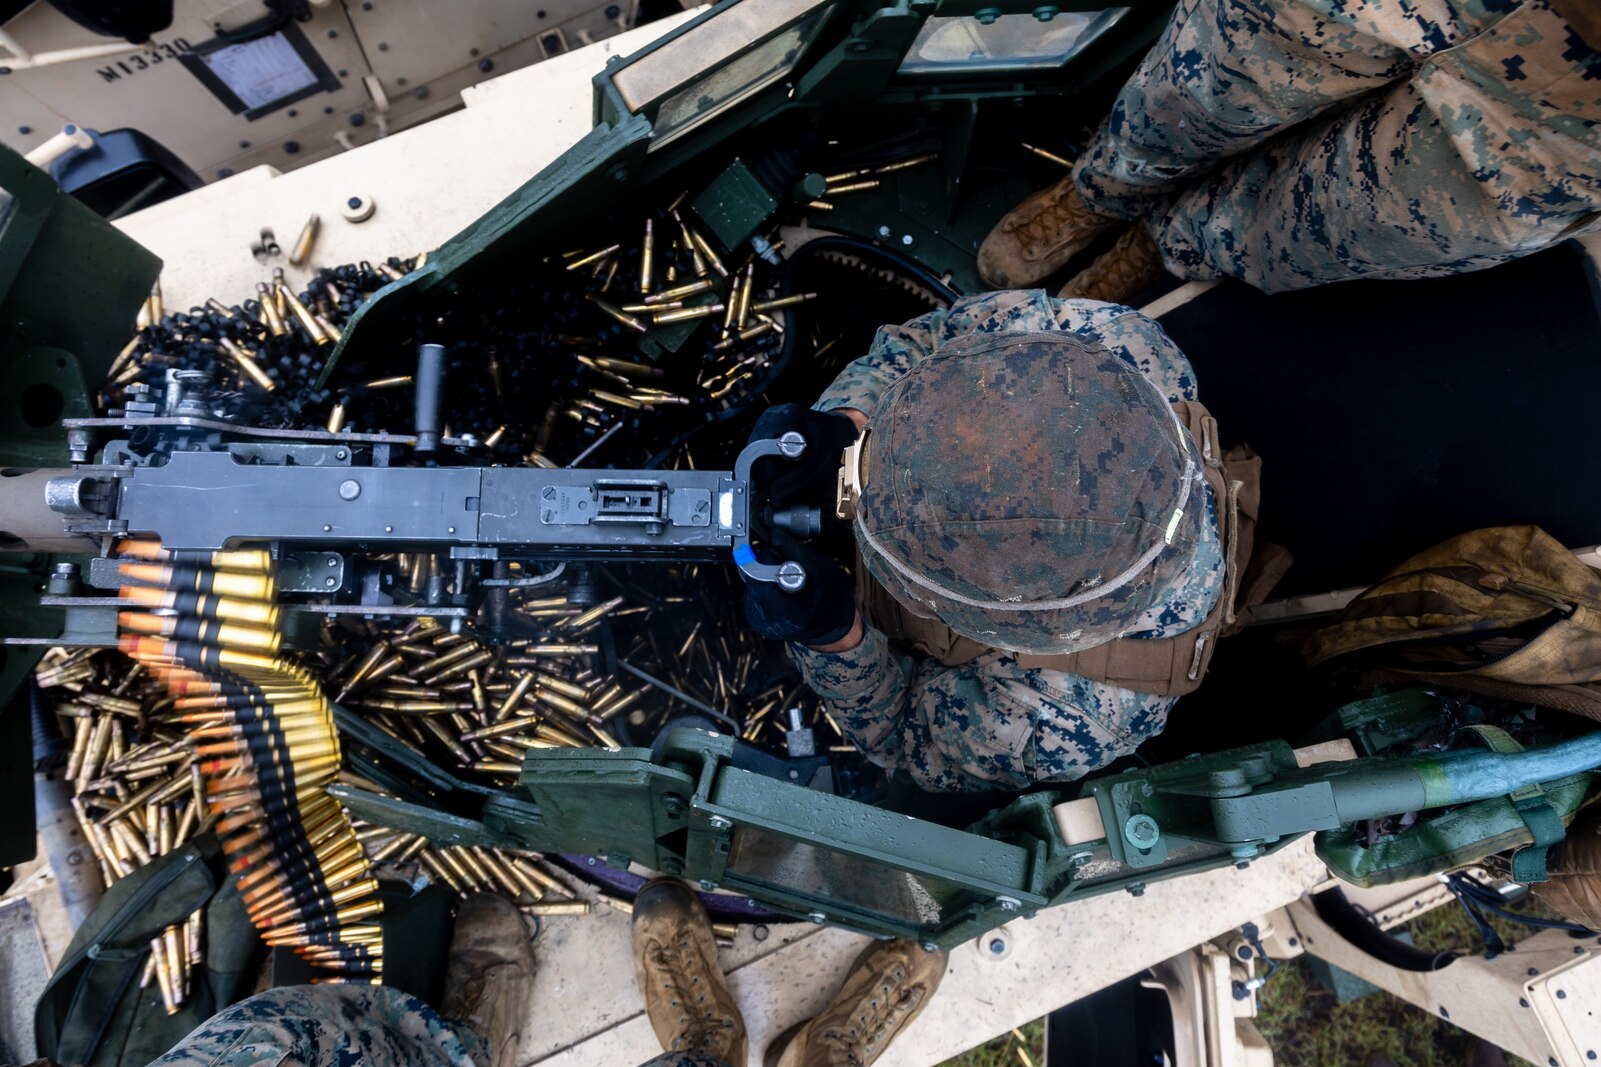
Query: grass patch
point(1308, 1028)
point(1003, 1051)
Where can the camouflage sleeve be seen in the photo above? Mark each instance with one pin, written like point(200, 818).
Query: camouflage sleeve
point(989, 724)
point(1138, 339)
point(895, 350)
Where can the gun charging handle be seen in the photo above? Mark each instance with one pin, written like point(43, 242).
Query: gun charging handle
point(430, 387)
point(789, 575)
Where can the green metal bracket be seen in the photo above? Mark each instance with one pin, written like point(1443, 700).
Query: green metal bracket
point(861, 67)
point(691, 810)
point(1380, 722)
point(1155, 813)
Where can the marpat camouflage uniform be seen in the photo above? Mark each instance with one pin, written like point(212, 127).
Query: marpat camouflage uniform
point(335, 1025)
point(1288, 143)
point(990, 723)
point(329, 1024)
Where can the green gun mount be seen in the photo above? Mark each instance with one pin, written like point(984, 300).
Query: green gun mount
point(691, 810)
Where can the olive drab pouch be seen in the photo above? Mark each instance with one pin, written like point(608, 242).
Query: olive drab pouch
point(93, 1012)
point(1505, 612)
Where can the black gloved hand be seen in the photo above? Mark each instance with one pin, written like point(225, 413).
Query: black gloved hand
point(821, 612)
point(827, 434)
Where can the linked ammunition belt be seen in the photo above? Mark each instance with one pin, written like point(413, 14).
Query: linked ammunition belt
point(262, 730)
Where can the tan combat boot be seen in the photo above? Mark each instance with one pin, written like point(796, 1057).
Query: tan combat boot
point(888, 986)
point(1038, 236)
point(675, 958)
point(489, 978)
point(1119, 274)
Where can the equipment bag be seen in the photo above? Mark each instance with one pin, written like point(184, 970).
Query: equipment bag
point(94, 1013)
point(1505, 611)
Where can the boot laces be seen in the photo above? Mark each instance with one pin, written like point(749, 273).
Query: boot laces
point(1131, 264)
point(874, 1020)
point(1044, 227)
point(703, 1028)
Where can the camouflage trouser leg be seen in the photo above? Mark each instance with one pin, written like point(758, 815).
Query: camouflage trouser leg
point(1289, 143)
point(315, 1026)
point(330, 1025)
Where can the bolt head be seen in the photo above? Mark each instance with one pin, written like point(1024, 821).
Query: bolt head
point(349, 489)
point(717, 822)
point(707, 884)
point(884, 232)
point(330, 582)
point(816, 917)
point(929, 946)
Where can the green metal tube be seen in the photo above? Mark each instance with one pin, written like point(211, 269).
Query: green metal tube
point(1469, 775)
point(1371, 789)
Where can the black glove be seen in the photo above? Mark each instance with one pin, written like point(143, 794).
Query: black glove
point(821, 612)
point(827, 434)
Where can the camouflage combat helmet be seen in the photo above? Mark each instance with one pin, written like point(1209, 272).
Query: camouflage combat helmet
point(1033, 491)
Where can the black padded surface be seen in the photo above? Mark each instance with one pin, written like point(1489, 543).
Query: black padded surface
point(1392, 415)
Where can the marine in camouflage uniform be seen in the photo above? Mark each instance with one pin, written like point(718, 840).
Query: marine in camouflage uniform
point(993, 723)
point(1289, 143)
point(325, 1025)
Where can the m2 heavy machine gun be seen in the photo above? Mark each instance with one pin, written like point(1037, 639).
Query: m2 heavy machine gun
point(864, 118)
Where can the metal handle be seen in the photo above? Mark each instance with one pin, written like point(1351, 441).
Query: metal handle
point(789, 575)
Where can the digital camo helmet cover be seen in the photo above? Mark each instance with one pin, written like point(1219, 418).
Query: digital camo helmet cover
point(1033, 491)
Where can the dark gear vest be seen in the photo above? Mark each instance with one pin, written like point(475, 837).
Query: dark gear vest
point(1167, 666)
